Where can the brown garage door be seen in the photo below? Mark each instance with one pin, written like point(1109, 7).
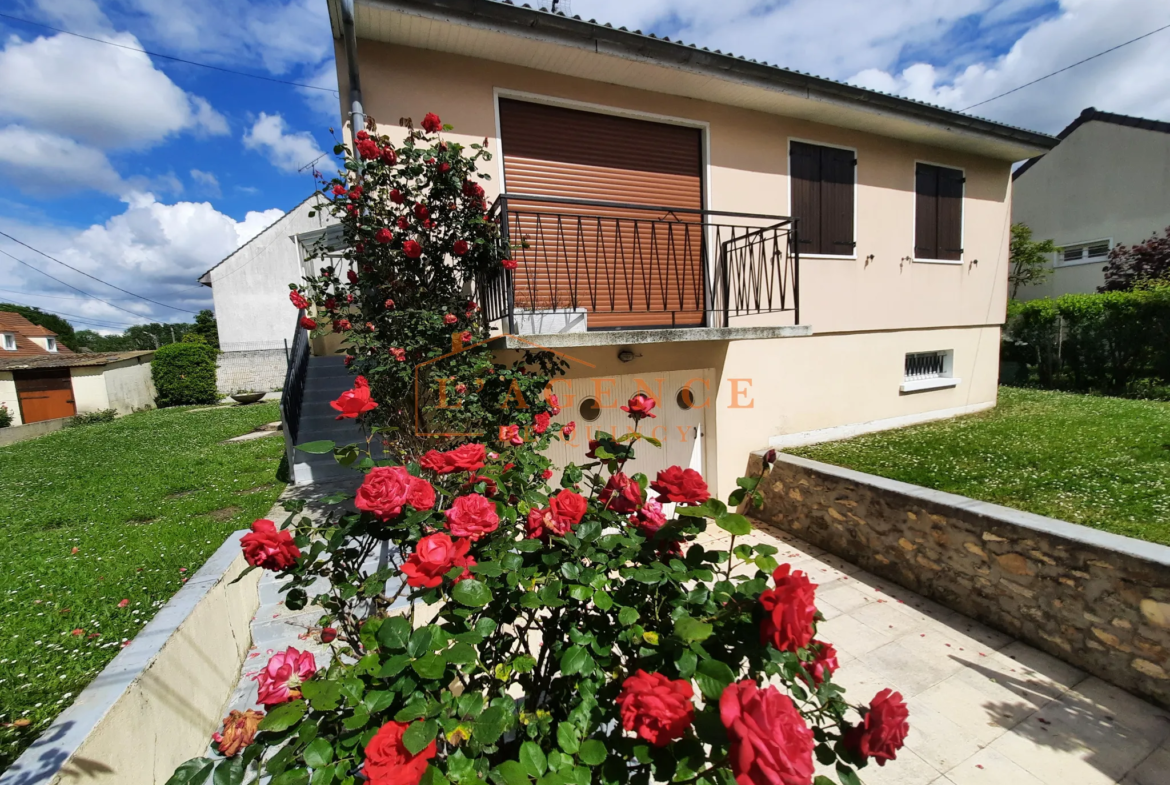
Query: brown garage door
point(627, 267)
point(44, 394)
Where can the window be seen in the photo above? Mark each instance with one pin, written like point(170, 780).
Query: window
point(9, 342)
point(928, 371)
point(822, 181)
point(938, 213)
point(51, 344)
point(1095, 252)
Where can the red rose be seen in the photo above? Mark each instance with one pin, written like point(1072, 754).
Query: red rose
point(389, 156)
point(363, 134)
point(308, 323)
point(389, 305)
point(824, 662)
point(431, 123)
point(330, 303)
point(412, 249)
point(341, 325)
point(368, 149)
point(770, 742)
point(542, 421)
point(465, 336)
point(338, 190)
point(883, 729)
point(639, 406)
point(789, 609)
point(348, 361)
point(387, 489)
point(444, 167)
point(421, 212)
point(554, 406)
point(389, 762)
point(657, 709)
point(684, 486)
point(468, 458)
point(510, 264)
point(352, 276)
point(435, 461)
point(450, 318)
point(267, 547)
point(433, 558)
point(355, 192)
point(568, 506)
point(546, 474)
point(489, 485)
point(355, 402)
point(472, 516)
point(328, 635)
point(396, 196)
point(298, 300)
point(511, 434)
point(621, 494)
point(383, 235)
point(567, 431)
point(460, 247)
point(398, 354)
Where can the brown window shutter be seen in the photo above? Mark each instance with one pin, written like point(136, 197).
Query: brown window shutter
point(950, 214)
point(926, 212)
point(804, 167)
point(837, 183)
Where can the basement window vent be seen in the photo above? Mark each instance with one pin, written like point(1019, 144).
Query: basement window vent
point(9, 342)
point(928, 371)
point(1084, 253)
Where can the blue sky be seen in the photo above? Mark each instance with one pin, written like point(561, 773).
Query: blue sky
point(145, 172)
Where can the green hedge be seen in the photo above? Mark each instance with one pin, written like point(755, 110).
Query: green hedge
point(184, 373)
point(1113, 342)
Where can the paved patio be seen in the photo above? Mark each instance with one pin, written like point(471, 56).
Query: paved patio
point(984, 709)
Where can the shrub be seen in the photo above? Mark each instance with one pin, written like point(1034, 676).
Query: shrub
point(184, 373)
point(5, 416)
point(1131, 265)
point(1112, 342)
point(92, 418)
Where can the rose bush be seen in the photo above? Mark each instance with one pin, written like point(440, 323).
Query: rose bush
point(552, 635)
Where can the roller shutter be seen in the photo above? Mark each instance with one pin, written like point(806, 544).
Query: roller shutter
point(624, 266)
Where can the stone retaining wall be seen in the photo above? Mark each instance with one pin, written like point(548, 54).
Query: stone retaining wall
point(259, 370)
point(1096, 600)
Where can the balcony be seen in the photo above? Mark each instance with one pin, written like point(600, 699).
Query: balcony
point(594, 266)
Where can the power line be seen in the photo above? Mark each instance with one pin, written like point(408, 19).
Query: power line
point(75, 317)
point(1067, 67)
point(38, 294)
point(95, 278)
point(169, 57)
point(71, 286)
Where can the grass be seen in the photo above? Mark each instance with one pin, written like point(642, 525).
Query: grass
point(101, 526)
point(1101, 462)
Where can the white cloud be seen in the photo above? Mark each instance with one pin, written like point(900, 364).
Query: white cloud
point(325, 103)
point(155, 249)
point(43, 163)
point(207, 181)
point(100, 95)
point(285, 150)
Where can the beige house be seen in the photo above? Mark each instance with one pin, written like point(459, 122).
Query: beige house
point(1106, 184)
point(778, 258)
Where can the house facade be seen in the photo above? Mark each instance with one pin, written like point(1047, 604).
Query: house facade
point(41, 379)
point(779, 259)
point(250, 294)
point(1106, 184)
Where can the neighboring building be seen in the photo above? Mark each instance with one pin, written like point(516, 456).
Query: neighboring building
point(1106, 184)
point(680, 276)
point(41, 379)
point(249, 288)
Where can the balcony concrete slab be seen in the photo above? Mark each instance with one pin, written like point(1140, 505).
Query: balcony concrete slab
point(638, 337)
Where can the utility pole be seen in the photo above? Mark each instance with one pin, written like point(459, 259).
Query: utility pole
point(173, 334)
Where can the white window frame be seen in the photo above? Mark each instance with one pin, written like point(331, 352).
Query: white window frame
point(9, 341)
point(943, 380)
point(1058, 257)
point(914, 214)
point(50, 343)
point(856, 166)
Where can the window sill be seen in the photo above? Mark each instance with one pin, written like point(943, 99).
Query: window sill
point(919, 385)
point(937, 261)
point(1081, 263)
point(827, 256)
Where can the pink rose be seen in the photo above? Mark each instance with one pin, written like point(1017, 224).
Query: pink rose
point(280, 680)
point(621, 494)
point(472, 516)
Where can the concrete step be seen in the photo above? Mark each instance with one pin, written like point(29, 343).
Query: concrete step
point(311, 473)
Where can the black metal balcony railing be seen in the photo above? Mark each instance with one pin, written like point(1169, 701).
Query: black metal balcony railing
point(293, 392)
point(630, 265)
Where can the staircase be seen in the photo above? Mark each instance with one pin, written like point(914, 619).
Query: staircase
point(326, 378)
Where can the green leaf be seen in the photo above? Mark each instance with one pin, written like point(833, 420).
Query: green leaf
point(575, 660)
point(748, 483)
point(568, 738)
point(691, 629)
point(713, 677)
point(472, 593)
point(847, 775)
point(524, 663)
point(735, 523)
point(430, 666)
point(229, 772)
point(470, 704)
point(192, 772)
point(532, 759)
point(580, 593)
point(823, 780)
point(416, 708)
point(628, 616)
point(513, 773)
point(461, 653)
point(317, 448)
point(419, 735)
point(592, 752)
point(602, 600)
point(318, 754)
point(284, 716)
point(394, 633)
point(686, 662)
point(490, 725)
point(391, 667)
point(378, 701)
point(420, 641)
point(291, 777)
point(489, 569)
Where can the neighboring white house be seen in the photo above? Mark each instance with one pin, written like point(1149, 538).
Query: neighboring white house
point(1106, 184)
point(252, 309)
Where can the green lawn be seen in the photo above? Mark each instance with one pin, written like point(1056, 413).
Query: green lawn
point(96, 515)
point(1101, 462)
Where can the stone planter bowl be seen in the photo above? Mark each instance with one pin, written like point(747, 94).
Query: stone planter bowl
point(247, 397)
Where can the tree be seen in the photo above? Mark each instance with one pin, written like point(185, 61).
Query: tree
point(1130, 265)
point(205, 325)
point(49, 321)
point(1030, 260)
